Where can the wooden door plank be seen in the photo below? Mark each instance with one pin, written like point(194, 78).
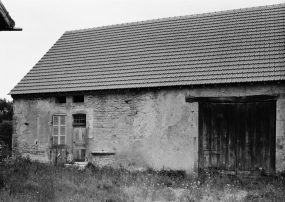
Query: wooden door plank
point(231, 122)
point(218, 135)
point(251, 134)
point(200, 138)
point(238, 130)
point(215, 138)
point(242, 139)
point(259, 136)
point(224, 138)
point(265, 161)
point(206, 135)
point(272, 137)
point(209, 141)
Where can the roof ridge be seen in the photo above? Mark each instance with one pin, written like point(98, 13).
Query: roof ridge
point(177, 17)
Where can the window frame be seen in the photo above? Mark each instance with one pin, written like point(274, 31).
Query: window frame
point(79, 124)
point(59, 130)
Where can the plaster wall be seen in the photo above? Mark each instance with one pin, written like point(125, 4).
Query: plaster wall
point(144, 128)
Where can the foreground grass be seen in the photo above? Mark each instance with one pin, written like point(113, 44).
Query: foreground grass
point(22, 180)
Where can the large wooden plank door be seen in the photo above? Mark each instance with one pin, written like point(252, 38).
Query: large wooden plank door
point(256, 136)
point(217, 150)
point(236, 137)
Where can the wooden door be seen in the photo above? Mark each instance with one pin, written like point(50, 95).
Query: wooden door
point(256, 138)
point(217, 137)
point(237, 137)
point(79, 143)
point(58, 155)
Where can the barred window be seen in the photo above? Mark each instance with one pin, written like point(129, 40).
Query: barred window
point(79, 119)
point(59, 130)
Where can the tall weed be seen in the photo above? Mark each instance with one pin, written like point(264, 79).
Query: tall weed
point(24, 180)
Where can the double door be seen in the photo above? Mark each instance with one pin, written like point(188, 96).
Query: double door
point(237, 137)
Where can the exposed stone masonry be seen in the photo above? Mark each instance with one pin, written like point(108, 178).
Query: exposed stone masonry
point(143, 128)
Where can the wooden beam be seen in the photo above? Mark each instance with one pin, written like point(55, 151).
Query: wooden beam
point(254, 98)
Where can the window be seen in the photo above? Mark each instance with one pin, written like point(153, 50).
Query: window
point(79, 120)
point(59, 130)
point(61, 99)
point(79, 98)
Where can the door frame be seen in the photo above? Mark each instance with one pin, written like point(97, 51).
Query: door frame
point(79, 125)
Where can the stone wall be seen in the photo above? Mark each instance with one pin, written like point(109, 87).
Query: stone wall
point(144, 128)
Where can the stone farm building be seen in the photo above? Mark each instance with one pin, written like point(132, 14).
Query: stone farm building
point(196, 93)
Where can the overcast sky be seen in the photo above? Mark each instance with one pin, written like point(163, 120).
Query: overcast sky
point(44, 21)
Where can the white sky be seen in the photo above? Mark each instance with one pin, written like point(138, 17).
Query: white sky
point(44, 21)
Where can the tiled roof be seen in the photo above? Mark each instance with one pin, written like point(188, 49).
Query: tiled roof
point(244, 45)
point(6, 22)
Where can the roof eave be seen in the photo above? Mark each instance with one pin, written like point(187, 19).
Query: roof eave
point(278, 82)
point(10, 23)
point(11, 29)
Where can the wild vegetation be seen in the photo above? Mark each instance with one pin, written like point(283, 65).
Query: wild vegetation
point(6, 114)
point(23, 180)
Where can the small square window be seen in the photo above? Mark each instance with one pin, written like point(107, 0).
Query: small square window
point(79, 98)
point(60, 99)
point(79, 119)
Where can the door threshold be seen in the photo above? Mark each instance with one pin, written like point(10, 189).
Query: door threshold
point(80, 165)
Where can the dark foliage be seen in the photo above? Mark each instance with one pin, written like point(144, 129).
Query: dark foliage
point(5, 152)
point(6, 110)
point(173, 174)
point(6, 130)
point(6, 127)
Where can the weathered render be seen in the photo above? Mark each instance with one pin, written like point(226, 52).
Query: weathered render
point(145, 128)
point(203, 92)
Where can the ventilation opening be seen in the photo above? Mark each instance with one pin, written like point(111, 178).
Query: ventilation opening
point(77, 99)
point(79, 119)
point(61, 99)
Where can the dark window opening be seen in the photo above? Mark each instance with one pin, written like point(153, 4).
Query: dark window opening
point(61, 99)
point(79, 98)
point(79, 119)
